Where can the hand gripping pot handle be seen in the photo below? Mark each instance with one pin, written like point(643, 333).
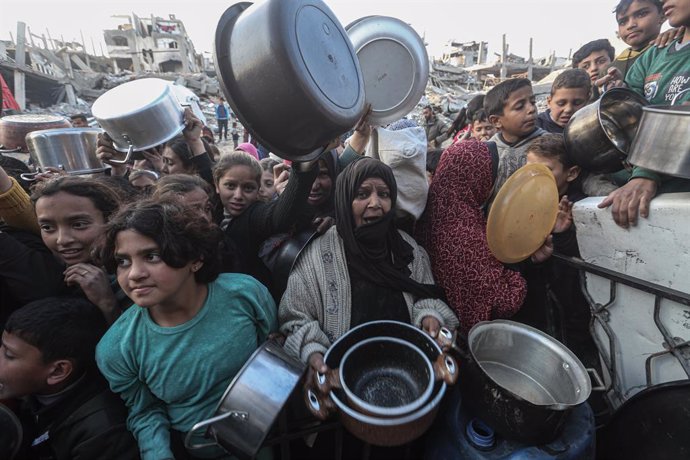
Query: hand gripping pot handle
point(446, 369)
point(316, 392)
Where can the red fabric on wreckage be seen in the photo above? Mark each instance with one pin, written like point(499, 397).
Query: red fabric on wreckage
point(8, 101)
point(453, 230)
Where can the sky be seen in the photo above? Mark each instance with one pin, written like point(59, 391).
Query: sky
point(555, 25)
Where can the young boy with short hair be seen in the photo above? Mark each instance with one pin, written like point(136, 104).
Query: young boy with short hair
point(482, 128)
point(512, 110)
point(48, 357)
point(594, 57)
point(639, 23)
point(570, 92)
point(554, 288)
point(662, 76)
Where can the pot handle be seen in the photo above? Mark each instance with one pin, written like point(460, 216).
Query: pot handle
point(595, 377)
point(446, 369)
point(449, 340)
point(318, 402)
point(127, 157)
point(29, 177)
point(15, 150)
point(242, 416)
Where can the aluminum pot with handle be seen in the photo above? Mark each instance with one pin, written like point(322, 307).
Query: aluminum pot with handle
point(290, 73)
point(251, 403)
point(139, 115)
point(71, 149)
point(599, 135)
point(662, 143)
point(518, 380)
point(14, 128)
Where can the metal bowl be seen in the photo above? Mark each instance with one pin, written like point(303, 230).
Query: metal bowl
point(662, 143)
point(599, 135)
point(394, 63)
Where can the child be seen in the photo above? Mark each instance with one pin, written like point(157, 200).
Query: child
point(172, 355)
point(662, 75)
point(47, 357)
point(512, 110)
point(482, 128)
point(554, 285)
point(639, 23)
point(569, 93)
point(594, 57)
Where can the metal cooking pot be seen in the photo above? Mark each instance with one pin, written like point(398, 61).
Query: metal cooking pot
point(599, 135)
point(251, 403)
point(662, 143)
point(518, 380)
point(381, 431)
point(70, 149)
point(139, 115)
point(290, 74)
point(387, 377)
point(14, 128)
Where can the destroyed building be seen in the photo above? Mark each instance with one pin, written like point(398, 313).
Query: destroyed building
point(465, 54)
point(152, 44)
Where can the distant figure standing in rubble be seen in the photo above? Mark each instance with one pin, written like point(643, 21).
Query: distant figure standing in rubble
point(222, 115)
point(436, 130)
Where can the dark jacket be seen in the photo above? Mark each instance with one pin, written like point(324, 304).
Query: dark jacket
point(28, 271)
point(436, 132)
point(89, 422)
point(545, 122)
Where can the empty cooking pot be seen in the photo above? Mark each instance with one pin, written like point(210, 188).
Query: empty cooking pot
point(599, 135)
point(380, 431)
point(139, 115)
point(520, 381)
point(662, 143)
point(290, 74)
point(384, 377)
point(14, 128)
point(71, 149)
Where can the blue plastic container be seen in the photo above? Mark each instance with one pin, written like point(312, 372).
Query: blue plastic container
point(457, 435)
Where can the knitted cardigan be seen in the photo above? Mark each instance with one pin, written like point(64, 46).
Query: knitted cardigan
point(316, 307)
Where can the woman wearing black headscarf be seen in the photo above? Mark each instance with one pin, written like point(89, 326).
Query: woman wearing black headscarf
point(363, 269)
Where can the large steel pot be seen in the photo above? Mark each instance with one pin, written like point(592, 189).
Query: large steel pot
point(520, 381)
point(70, 149)
point(381, 431)
point(139, 115)
point(251, 403)
point(599, 135)
point(290, 74)
point(14, 128)
point(662, 143)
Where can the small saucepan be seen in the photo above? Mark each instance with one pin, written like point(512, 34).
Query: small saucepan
point(71, 149)
point(139, 115)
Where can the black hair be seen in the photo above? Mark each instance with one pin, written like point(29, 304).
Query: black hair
point(267, 164)
point(178, 184)
point(104, 198)
point(480, 116)
point(79, 116)
point(180, 234)
point(180, 147)
point(588, 48)
point(15, 167)
point(551, 145)
point(466, 114)
point(61, 328)
point(432, 159)
point(572, 78)
point(495, 99)
point(623, 6)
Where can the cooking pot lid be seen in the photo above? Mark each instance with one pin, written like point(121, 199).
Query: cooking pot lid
point(131, 97)
point(33, 118)
point(394, 64)
point(523, 214)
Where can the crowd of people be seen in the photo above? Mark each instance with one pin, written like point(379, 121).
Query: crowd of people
point(129, 300)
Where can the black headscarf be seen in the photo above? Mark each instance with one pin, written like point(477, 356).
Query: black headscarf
point(376, 250)
point(330, 157)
